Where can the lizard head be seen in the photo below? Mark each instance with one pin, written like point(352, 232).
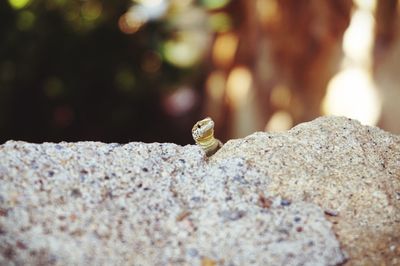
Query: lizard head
point(203, 129)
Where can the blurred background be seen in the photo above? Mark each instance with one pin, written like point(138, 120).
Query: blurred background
point(147, 70)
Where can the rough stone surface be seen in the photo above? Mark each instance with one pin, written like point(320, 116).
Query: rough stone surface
point(254, 202)
point(351, 171)
point(148, 204)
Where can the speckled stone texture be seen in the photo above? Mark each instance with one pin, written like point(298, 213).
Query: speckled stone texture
point(255, 202)
point(350, 170)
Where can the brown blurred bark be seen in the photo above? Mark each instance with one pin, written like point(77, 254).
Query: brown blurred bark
point(385, 29)
point(296, 44)
point(387, 63)
point(306, 48)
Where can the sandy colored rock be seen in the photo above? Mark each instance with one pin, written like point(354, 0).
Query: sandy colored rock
point(92, 203)
point(350, 170)
point(267, 199)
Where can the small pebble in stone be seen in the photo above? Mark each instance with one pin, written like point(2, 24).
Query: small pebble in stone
point(232, 215)
point(182, 216)
point(264, 202)
point(196, 199)
point(285, 202)
point(331, 212)
point(208, 262)
point(58, 147)
point(192, 252)
point(76, 193)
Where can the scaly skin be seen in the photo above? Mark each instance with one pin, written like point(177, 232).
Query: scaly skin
point(203, 135)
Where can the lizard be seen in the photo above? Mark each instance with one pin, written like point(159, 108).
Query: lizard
point(203, 135)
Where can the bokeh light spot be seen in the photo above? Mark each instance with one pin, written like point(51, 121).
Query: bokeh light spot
point(125, 80)
point(224, 49)
point(214, 4)
point(281, 96)
point(238, 85)
point(215, 85)
point(53, 87)
point(180, 101)
point(366, 4)
point(25, 20)
point(151, 9)
point(185, 50)
point(220, 22)
point(352, 93)
point(151, 62)
point(179, 53)
point(131, 22)
point(267, 10)
point(91, 10)
point(279, 122)
point(63, 116)
point(149, 2)
point(18, 4)
point(178, 5)
point(358, 38)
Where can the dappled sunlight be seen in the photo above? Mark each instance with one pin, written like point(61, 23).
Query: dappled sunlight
point(18, 4)
point(358, 38)
point(186, 49)
point(91, 10)
point(281, 96)
point(224, 49)
point(279, 122)
point(180, 101)
point(238, 85)
point(352, 91)
point(214, 4)
point(267, 10)
point(131, 22)
point(215, 85)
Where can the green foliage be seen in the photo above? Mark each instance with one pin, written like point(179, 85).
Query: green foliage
point(67, 72)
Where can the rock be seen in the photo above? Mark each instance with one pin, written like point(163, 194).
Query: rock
point(267, 199)
point(148, 204)
point(350, 170)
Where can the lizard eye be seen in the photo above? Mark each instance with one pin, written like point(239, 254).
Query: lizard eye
point(198, 126)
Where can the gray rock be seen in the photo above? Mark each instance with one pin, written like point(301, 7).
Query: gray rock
point(255, 202)
point(350, 170)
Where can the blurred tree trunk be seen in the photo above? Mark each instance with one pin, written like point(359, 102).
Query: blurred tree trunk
point(387, 62)
point(306, 47)
point(291, 46)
